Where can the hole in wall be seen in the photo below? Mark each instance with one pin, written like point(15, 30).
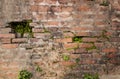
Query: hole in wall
point(21, 28)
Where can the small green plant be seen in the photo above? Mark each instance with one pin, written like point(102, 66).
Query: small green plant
point(105, 3)
point(66, 57)
point(38, 69)
point(91, 76)
point(104, 35)
point(77, 39)
point(92, 47)
point(22, 27)
point(77, 60)
point(24, 74)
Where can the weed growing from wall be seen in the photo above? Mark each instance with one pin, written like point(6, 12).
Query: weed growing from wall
point(91, 76)
point(77, 39)
point(38, 69)
point(24, 74)
point(22, 28)
point(66, 57)
point(105, 3)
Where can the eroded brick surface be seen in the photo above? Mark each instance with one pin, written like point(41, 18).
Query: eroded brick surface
point(70, 38)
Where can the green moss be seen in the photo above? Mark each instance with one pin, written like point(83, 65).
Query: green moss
point(24, 74)
point(92, 47)
point(105, 3)
point(66, 57)
point(105, 36)
point(72, 48)
point(38, 69)
point(77, 60)
point(78, 39)
point(91, 76)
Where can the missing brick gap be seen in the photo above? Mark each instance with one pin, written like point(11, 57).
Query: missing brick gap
point(78, 39)
point(21, 28)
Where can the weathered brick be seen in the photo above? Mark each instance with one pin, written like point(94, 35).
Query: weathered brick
point(83, 34)
point(65, 40)
point(5, 30)
point(7, 35)
point(34, 8)
point(19, 40)
point(63, 1)
point(110, 50)
point(67, 8)
point(67, 63)
point(83, 8)
point(89, 39)
point(43, 8)
point(39, 16)
point(115, 39)
point(51, 1)
point(85, 45)
point(37, 30)
point(9, 46)
point(70, 45)
point(79, 50)
point(42, 35)
point(99, 44)
point(82, 28)
point(55, 9)
point(52, 23)
point(5, 40)
point(88, 62)
point(38, 1)
point(68, 34)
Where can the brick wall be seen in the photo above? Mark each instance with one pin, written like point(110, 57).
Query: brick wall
point(70, 38)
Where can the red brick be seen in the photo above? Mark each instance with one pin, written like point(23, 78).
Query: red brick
point(55, 9)
point(68, 34)
point(88, 62)
point(63, 1)
point(110, 50)
point(99, 44)
point(83, 8)
point(74, 56)
point(52, 23)
point(67, 63)
point(5, 40)
point(38, 1)
point(85, 45)
point(19, 40)
point(51, 16)
point(41, 35)
point(34, 8)
point(100, 23)
point(70, 45)
point(43, 8)
point(64, 16)
point(115, 39)
point(12, 75)
point(37, 30)
point(9, 46)
point(65, 40)
point(39, 16)
point(89, 39)
point(67, 9)
point(82, 28)
point(51, 1)
point(7, 35)
point(83, 34)
point(34, 39)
